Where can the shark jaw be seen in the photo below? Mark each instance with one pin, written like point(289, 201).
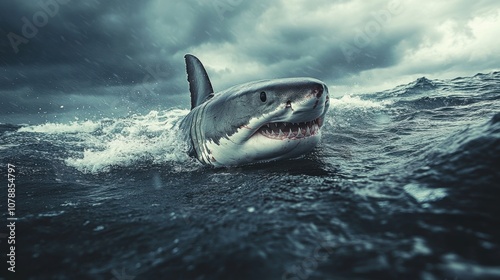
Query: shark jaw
point(268, 138)
point(283, 131)
point(290, 131)
point(268, 144)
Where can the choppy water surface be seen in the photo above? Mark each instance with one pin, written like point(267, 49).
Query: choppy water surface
point(403, 185)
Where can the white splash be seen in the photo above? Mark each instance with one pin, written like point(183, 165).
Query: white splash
point(355, 102)
point(348, 109)
point(57, 128)
point(97, 146)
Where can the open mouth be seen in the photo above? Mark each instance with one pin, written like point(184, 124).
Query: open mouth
point(286, 130)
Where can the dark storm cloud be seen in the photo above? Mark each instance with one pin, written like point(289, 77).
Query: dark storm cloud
point(360, 42)
point(134, 50)
point(96, 43)
point(329, 40)
point(99, 50)
point(87, 41)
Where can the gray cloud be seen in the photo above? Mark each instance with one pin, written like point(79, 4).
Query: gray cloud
point(133, 50)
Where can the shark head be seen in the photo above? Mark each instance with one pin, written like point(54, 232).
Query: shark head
point(254, 122)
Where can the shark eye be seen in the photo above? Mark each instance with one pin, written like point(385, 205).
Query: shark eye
point(263, 97)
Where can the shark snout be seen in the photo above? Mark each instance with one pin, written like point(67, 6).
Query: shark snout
point(317, 90)
point(314, 96)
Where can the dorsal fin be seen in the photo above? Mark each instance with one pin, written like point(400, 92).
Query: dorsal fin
point(199, 83)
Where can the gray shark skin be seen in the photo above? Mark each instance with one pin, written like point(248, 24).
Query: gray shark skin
point(253, 122)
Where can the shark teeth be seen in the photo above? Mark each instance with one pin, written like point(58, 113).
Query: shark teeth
point(284, 131)
point(299, 133)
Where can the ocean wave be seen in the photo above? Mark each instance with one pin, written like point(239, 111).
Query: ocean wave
point(350, 110)
point(98, 146)
point(476, 86)
point(467, 158)
point(60, 128)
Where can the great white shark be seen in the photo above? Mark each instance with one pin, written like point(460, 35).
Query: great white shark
point(258, 121)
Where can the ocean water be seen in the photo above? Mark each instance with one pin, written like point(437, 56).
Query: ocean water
point(404, 185)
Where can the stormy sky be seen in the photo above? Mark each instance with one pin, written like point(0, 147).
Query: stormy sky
point(60, 56)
